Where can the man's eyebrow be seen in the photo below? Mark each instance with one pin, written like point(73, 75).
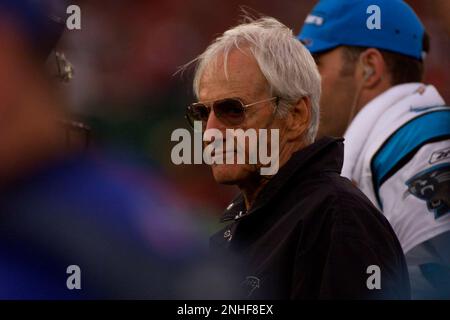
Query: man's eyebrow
point(234, 93)
point(230, 96)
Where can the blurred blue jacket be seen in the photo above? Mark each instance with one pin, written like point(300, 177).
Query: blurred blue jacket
point(129, 241)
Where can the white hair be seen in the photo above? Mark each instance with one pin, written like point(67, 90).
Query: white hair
point(286, 64)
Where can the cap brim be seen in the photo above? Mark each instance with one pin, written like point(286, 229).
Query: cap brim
point(316, 45)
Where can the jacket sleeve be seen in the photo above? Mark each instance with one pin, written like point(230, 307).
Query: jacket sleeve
point(364, 259)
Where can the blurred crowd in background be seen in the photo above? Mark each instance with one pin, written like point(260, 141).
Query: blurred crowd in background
point(125, 87)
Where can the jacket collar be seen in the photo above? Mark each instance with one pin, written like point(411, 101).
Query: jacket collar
point(325, 154)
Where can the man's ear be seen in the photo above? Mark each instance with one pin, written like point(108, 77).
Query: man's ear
point(298, 119)
point(371, 69)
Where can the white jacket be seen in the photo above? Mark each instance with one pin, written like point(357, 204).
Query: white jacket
point(397, 151)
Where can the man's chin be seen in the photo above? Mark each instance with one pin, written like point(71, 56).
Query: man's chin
point(230, 174)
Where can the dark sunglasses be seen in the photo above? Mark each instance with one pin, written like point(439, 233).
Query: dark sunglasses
point(230, 111)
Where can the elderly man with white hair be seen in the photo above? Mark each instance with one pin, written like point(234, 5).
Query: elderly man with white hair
point(304, 232)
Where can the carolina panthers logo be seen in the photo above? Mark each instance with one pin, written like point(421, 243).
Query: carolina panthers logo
point(250, 284)
point(433, 186)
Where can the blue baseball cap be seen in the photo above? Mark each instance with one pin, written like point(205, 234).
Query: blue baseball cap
point(384, 24)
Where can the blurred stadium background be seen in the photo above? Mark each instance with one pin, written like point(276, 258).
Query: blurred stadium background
point(125, 57)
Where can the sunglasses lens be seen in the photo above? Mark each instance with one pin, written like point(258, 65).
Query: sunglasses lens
point(197, 112)
point(231, 111)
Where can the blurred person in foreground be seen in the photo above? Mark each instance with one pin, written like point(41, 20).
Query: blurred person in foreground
point(396, 128)
point(304, 232)
point(62, 208)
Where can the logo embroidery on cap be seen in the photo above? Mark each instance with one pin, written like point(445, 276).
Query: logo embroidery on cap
point(312, 19)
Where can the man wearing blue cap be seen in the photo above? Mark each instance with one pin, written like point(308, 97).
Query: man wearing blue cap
point(397, 130)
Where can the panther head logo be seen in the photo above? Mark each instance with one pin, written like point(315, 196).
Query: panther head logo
point(251, 283)
point(433, 186)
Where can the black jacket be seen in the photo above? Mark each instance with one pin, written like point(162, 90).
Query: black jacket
point(311, 234)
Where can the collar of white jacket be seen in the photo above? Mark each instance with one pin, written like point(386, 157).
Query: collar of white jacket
point(403, 98)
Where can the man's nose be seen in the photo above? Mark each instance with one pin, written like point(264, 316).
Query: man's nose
point(213, 122)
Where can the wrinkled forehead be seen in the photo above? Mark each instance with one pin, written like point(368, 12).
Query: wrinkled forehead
point(234, 72)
